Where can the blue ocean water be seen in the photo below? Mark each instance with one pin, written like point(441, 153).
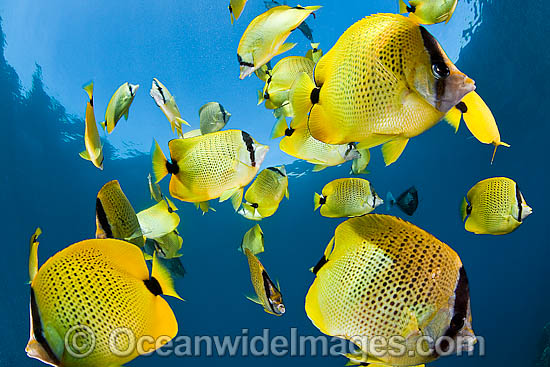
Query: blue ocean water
point(50, 49)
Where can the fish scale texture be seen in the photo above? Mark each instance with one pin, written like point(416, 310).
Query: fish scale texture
point(209, 165)
point(347, 197)
point(380, 272)
point(363, 81)
point(492, 202)
point(81, 286)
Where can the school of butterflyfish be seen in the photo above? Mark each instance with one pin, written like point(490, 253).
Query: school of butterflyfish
point(385, 81)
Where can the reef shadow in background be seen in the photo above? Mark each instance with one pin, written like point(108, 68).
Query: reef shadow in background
point(45, 183)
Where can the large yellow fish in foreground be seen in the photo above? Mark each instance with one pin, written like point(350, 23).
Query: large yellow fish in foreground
point(265, 194)
point(264, 37)
point(381, 276)
point(83, 294)
point(494, 206)
point(216, 165)
point(429, 11)
point(115, 216)
point(92, 141)
point(347, 197)
point(119, 105)
point(268, 294)
point(167, 103)
point(386, 80)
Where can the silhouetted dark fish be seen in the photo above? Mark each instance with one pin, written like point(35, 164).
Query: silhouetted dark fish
point(407, 201)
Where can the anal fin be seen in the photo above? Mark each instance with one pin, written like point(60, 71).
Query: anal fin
point(393, 149)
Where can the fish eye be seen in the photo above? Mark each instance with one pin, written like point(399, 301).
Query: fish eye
point(440, 70)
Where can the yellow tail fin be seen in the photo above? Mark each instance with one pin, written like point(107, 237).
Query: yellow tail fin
point(89, 88)
point(279, 128)
point(261, 97)
point(159, 162)
point(464, 209)
point(33, 257)
point(316, 201)
point(300, 96)
point(402, 7)
point(162, 275)
point(231, 15)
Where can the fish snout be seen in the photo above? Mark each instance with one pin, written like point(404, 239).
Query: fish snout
point(261, 151)
point(457, 86)
point(133, 89)
point(526, 211)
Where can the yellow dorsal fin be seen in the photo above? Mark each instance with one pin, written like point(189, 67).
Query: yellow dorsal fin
point(89, 88)
point(162, 275)
point(33, 257)
point(402, 7)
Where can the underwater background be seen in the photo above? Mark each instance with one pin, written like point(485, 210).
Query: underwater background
point(50, 49)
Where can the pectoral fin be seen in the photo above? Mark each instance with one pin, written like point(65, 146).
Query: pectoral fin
point(286, 47)
point(254, 299)
point(393, 149)
point(236, 196)
point(85, 155)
